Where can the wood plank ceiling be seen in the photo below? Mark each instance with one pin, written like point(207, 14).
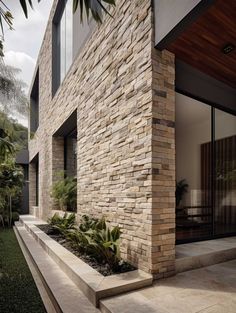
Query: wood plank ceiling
point(201, 44)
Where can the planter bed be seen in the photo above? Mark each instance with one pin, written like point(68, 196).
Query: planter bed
point(104, 269)
point(92, 283)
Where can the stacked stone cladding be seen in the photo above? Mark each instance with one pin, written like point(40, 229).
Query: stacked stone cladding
point(123, 91)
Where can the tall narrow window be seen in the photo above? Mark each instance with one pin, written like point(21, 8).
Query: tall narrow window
point(69, 35)
point(66, 36)
point(193, 169)
point(225, 176)
point(34, 105)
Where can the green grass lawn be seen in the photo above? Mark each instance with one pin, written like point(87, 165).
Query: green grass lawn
point(18, 292)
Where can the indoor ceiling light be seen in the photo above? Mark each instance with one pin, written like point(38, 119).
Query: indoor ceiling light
point(229, 47)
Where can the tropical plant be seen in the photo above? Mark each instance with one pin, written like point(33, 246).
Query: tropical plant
point(12, 100)
point(64, 192)
point(11, 182)
point(62, 224)
point(6, 147)
point(17, 134)
point(98, 241)
point(103, 245)
point(87, 222)
point(181, 189)
point(12, 91)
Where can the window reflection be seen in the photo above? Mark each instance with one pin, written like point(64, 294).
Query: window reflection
point(66, 36)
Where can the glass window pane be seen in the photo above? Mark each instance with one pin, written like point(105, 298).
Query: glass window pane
point(225, 176)
point(62, 46)
point(69, 33)
point(66, 38)
point(193, 169)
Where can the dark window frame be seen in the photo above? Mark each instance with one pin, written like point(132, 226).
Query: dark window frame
point(56, 73)
point(213, 108)
point(34, 104)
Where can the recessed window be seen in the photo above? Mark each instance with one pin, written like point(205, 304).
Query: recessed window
point(68, 37)
point(34, 105)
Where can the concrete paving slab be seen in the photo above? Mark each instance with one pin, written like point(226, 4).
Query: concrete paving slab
point(204, 253)
point(207, 290)
point(66, 295)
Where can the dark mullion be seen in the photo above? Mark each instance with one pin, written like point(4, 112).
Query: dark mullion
point(213, 170)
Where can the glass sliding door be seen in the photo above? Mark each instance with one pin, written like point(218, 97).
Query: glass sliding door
point(205, 171)
point(193, 169)
point(225, 173)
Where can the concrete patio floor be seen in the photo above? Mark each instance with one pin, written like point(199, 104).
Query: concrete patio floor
point(203, 247)
point(207, 290)
point(194, 255)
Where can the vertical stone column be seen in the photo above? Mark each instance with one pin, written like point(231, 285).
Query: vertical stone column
point(163, 164)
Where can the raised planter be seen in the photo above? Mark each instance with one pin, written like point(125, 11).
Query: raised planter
point(93, 284)
point(61, 213)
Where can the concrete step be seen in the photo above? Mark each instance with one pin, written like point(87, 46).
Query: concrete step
point(94, 285)
point(65, 295)
point(204, 253)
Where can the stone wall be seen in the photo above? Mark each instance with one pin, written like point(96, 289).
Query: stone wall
point(163, 164)
point(32, 186)
point(123, 92)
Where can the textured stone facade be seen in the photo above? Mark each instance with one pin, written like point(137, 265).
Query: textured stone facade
point(123, 90)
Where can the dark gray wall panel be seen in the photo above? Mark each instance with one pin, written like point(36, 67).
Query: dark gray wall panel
point(200, 86)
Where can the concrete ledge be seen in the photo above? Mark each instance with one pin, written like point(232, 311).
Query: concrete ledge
point(93, 284)
point(63, 293)
point(206, 257)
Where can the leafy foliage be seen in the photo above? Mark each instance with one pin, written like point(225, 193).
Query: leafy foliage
point(87, 223)
point(6, 147)
point(181, 189)
point(96, 7)
point(62, 224)
point(17, 134)
point(11, 182)
point(12, 91)
point(97, 240)
point(64, 192)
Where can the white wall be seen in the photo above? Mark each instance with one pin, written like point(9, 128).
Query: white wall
point(168, 13)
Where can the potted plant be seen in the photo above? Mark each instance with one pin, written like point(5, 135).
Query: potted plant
point(181, 189)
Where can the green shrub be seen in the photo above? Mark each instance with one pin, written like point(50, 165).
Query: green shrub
point(64, 193)
point(11, 183)
point(95, 239)
point(87, 223)
point(15, 216)
point(62, 224)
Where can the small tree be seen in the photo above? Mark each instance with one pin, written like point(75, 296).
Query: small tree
point(11, 183)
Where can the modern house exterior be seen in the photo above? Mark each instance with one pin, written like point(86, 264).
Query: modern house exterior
point(133, 106)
